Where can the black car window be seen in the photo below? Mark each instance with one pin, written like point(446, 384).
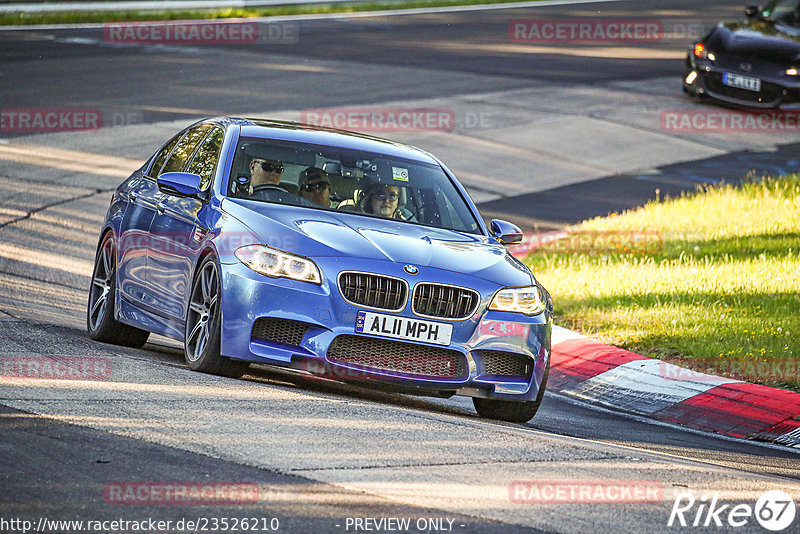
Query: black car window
point(185, 148)
point(161, 157)
point(205, 160)
point(785, 11)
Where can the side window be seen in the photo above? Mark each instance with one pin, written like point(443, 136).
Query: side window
point(161, 157)
point(177, 160)
point(205, 161)
point(784, 12)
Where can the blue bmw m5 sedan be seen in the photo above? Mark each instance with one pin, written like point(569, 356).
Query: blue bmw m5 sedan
point(330, 252)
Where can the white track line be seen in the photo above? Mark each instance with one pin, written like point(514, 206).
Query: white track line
point(324, 16)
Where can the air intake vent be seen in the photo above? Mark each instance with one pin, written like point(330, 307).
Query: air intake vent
point(373, 290)
point(506, 364)
point(447, 302)
point(398, 357)
point(282, 331)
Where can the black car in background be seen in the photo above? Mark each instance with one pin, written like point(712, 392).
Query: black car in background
point(754, 63)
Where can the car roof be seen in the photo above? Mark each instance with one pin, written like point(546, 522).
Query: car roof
point(318, 135)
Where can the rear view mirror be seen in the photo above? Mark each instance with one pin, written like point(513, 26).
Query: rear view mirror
point(332, 167)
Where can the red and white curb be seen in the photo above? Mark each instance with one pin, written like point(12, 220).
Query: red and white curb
point(588, 370)
point(595, 372)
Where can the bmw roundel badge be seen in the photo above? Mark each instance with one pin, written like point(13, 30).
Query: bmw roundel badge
point(410, 269)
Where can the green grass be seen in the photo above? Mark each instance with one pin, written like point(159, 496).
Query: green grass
point(715, 287)
point(75, 17)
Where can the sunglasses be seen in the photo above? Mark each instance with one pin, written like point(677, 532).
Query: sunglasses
point(316, 186)
point(267, 166)
point(387, 196)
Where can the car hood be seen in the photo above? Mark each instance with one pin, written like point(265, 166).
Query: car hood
point(758, 39)
point(319, 233)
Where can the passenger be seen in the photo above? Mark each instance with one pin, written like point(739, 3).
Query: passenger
point(315, 186)
point(383, 200)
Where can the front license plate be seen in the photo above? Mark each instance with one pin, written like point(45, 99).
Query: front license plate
point(742, 82)
point(403, 328)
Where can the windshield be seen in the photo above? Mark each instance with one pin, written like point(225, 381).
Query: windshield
point(784, 11)
point(362, 183)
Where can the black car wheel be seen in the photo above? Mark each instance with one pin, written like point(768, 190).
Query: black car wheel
point(203, 325)
point(100, 320)
point(511, 411)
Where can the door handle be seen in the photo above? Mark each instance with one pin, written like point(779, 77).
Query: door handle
point(199, 233)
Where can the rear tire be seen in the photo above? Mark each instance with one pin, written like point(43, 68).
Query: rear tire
point(203, 325)
point(512, 411)
point(100, 310)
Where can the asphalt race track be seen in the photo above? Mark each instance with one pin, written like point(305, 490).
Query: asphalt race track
point(542, 134)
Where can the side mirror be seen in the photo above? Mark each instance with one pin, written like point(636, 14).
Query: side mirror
point(182, 184)
point(751, 10)
point(505, 232)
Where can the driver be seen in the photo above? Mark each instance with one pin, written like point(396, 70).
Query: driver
point(265, 172)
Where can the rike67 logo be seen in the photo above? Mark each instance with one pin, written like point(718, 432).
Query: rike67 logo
point(774, 510)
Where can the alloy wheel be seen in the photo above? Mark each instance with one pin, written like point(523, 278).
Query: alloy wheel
point(202, 310)
point(101, 284)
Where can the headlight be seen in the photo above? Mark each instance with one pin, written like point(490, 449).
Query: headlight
point(792, 71)
point(528, 300)
point(277, 264)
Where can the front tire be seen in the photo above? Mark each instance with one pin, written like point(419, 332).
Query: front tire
point(511, 411)
point(100, 311)
point(203, 325)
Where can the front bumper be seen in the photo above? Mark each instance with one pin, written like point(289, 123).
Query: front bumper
point(777, 92)
point(492, 354)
